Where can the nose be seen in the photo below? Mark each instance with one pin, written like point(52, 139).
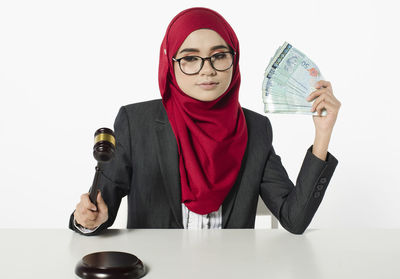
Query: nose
point(207, 68)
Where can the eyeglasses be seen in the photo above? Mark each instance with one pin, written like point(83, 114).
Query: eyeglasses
point(192, 65)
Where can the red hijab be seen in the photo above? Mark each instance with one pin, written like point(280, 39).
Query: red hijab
point(211, 135)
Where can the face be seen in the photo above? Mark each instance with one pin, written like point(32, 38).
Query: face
point(201, 43)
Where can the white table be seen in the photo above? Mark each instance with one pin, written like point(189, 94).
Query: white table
point(175, 253)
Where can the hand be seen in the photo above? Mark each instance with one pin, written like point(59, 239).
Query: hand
point(86, 213)
point(324, 99)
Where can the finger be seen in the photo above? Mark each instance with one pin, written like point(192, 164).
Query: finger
point(316, 93)
point(320, 107)
point(324, 105)
point(87, 203)
point(80, 209)
point(83, 220)
point(322, 83)
point(90, 215)
point(323, 97)
point(332, 100)
point(84, 213)
point(76, 214)
point(101, 204)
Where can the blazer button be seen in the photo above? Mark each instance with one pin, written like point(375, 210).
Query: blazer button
point(322, 180)
point(317, 194)
point(320, 187)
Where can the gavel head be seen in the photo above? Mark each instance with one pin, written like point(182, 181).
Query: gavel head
point(104, 145)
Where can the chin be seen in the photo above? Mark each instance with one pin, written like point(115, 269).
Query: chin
point(208, 98)
point(207, 95)
point(204, 95)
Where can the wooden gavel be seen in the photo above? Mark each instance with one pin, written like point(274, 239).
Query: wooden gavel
point(103, 151)
point(107, 264)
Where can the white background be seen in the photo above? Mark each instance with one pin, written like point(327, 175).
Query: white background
point(66, 67)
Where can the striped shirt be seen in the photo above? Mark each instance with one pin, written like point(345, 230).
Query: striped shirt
point(194, 221)
point(190, 220)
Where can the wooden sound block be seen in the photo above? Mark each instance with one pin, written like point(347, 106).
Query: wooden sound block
point(110, 265)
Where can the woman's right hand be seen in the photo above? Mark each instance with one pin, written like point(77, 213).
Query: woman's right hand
point(86, 214)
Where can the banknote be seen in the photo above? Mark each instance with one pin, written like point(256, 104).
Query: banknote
point(289, 79)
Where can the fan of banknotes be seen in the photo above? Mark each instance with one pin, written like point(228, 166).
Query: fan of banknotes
point(288, 80)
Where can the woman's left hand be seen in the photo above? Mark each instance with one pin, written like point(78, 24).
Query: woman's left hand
point(324, 99)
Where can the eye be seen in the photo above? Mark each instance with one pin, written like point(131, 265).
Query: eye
point(220, 55)
point(190, 58)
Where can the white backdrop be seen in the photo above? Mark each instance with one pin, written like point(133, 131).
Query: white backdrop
point(66, 67)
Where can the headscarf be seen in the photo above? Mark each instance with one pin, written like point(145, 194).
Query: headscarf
point(211, 135)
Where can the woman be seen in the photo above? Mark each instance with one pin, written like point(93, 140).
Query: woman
point(196, 158)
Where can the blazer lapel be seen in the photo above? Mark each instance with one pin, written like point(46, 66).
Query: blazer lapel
point(167, 150)
point(229, 201)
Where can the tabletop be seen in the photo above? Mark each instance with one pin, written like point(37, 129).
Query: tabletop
point(227, 253)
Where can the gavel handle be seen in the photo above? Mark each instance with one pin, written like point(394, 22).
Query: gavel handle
point(93, 190)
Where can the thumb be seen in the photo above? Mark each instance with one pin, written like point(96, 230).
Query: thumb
point(100, 202)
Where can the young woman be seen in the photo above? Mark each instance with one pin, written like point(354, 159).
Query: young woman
point(196, 158)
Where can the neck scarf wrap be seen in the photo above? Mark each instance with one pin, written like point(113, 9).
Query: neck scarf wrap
point(211, 135)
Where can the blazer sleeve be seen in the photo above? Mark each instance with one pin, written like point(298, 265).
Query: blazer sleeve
point(295, 206)
point(115, 177)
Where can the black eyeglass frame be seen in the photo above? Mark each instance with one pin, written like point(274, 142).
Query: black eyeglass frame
point(202, 61)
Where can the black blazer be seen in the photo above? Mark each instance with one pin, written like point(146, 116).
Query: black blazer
point(145, 167)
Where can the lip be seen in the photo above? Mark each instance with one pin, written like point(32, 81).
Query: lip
point(208, 85)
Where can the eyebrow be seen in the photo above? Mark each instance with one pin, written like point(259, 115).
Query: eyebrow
point(197, 50)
